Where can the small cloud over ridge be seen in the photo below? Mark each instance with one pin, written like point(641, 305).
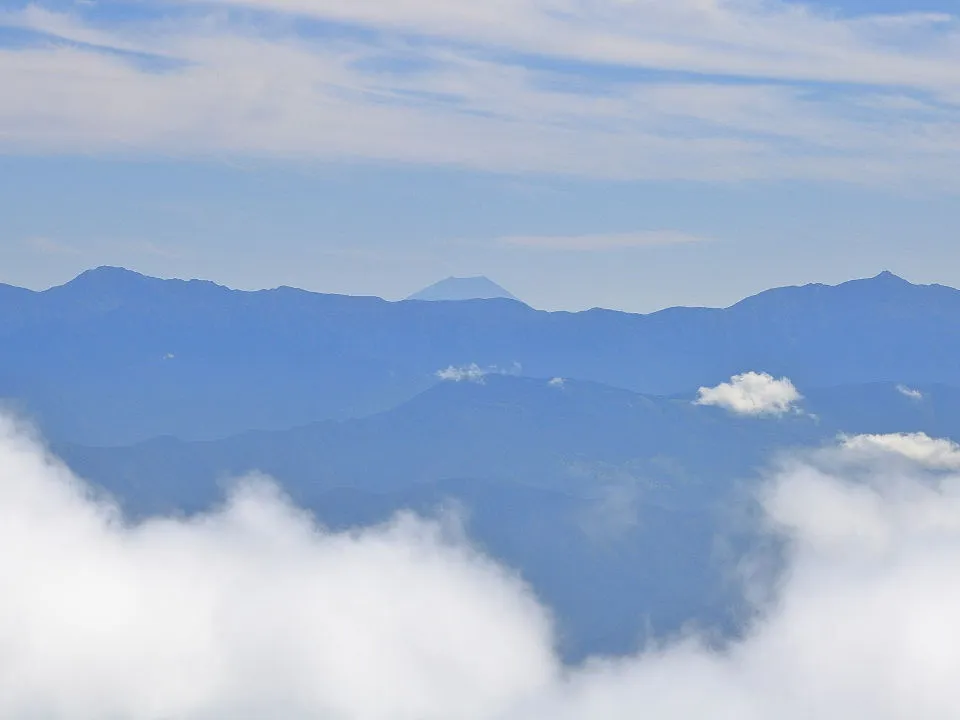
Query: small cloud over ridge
point(474, 373)
point(752, 393)
point(909, 392)
point(466, 373)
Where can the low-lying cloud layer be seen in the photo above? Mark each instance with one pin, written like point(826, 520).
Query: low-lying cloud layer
point(249, 612)
point(252, 611)
point(752, 393)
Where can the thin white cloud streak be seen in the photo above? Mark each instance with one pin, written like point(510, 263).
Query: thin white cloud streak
point(600, 242)
point(752, 393)
point(284, 95)
point(252, 612)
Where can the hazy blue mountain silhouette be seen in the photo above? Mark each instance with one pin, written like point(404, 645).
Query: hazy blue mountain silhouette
point(114, 357)
point(607, 491)
point(573, 439)
point(467, 288)
point(610, 503)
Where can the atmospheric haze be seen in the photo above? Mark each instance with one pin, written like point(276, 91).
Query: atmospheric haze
point(253, 611)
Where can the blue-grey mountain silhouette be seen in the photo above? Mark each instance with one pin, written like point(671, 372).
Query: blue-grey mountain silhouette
point(114, 357)
point(607, 490)
point(463, 288)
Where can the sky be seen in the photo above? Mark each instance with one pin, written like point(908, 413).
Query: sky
point(632, 154)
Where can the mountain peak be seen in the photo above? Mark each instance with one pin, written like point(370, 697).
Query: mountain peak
point(463, 288)
point(104, 279)
point(109, 278)
point(887, 276)
point(884, 282)
point(106, 284)
point(107, 273)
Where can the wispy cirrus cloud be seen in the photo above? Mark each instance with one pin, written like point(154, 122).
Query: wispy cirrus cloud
point(685, 90)
point(740, 38)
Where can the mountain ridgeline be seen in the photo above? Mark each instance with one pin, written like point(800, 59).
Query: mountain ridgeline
point(114, 357)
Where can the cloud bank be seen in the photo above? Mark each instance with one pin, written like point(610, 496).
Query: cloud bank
point(752, 393)
point(252, 611)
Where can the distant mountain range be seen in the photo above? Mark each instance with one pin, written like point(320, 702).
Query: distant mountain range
point(468, 288)
point(569, 442)
point(114, 357)
point(577, 439)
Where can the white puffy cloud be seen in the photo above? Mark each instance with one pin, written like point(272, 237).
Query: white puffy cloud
point(752, 393)
point(251, 611)
point(934, 453)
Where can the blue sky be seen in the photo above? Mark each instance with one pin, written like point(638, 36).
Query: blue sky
point(623, 153)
